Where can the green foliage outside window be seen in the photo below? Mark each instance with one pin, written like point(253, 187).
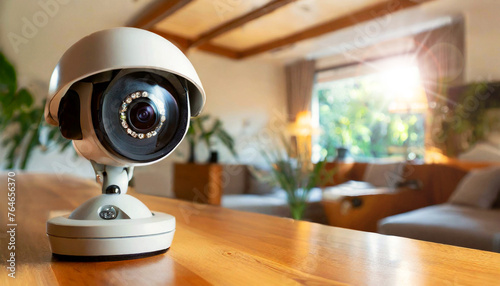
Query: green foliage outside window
point(355, 113)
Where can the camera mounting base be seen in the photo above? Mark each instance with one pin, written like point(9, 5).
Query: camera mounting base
point(75, 258)
point(110, 239)
point(111, 226)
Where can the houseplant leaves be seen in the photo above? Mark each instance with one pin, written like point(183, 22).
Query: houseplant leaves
point(21, 122)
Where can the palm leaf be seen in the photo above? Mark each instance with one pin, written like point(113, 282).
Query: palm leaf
point(8, 80)
point(23, 120)
point(216, 130)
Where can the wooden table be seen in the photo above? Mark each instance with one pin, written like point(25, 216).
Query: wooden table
point(213, 245)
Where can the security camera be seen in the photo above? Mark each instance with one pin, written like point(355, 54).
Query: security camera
point(125, 97)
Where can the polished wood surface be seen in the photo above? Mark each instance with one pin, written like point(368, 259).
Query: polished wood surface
point(213, 245)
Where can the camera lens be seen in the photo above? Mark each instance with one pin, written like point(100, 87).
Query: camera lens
point(144, 113)
point(143, 116)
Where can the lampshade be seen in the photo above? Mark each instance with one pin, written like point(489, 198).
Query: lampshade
point(303, 125)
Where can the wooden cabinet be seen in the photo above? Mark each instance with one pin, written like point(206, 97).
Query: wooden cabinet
point(362, 209)
point(198, 183)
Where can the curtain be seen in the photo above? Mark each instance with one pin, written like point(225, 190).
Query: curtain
point(299, 86)
point(441, 58)
point(441, 61)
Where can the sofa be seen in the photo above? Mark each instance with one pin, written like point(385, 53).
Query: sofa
point(466, 211)
point(448, 224)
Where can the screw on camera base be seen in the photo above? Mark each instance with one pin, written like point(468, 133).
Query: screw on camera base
point(108, 212)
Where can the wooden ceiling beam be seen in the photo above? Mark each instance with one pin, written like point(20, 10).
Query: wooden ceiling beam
point(366, 60)
point(184, 44)
point(366, 14)
point(158, 13)
point(219, 50)
point(181, 42)
point(240, 21)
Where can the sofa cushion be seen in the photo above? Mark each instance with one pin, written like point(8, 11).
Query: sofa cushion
point(479, 188)
point(384, 175)
point(448, 224)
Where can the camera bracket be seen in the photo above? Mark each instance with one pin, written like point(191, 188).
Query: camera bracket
point(114, 179)
point(111, 226)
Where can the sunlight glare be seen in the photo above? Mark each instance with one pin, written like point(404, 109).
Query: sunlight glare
point(402, 82)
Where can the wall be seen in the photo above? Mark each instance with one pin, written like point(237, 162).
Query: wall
point(482, 42)
point(246, 94)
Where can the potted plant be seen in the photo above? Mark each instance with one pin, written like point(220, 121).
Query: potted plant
point(22, 122)
point(209, 135)
point(459, 126)
point(344, 133)
point(294, 173)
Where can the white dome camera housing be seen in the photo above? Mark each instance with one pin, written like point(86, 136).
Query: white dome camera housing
point(125, 97)
point(124, 77)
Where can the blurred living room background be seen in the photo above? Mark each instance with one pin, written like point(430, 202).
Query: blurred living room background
point(357, 84)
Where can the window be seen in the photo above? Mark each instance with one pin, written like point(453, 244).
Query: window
point(374, 115)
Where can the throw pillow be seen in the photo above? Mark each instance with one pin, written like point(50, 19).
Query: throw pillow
point(479, 188)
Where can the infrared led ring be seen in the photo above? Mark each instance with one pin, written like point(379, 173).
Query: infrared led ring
point(140, 116)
